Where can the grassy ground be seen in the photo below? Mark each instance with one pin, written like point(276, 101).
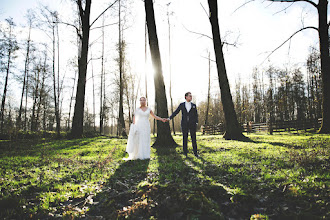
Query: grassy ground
point(283, 176)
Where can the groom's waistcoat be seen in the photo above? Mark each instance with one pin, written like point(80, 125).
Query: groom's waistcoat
point(188, 118)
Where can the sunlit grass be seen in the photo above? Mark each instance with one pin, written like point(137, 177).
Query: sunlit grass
point(283, 175)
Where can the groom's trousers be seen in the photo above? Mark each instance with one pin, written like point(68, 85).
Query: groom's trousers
point(185, 131)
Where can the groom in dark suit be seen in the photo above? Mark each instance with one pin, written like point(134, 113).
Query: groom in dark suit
point(189, 122)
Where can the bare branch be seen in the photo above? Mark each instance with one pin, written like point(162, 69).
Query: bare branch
point(103, 12)
point(81, 10)
point(229, 44)
point(104, 26)
point(309, 27)
point(309, 1)
point(284, 9)
point(242, 5)
point(207, 14)
point(203, 35)
point(77, 30)
point(208, 59)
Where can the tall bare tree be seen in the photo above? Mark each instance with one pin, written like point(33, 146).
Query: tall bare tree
point(323, 32)
point(51, 20)
point(102, 81)
point(54, 25)
point(10, 46)
point(164, 138)
point(233, 129)
point(83, 32)
point(30, 19)
point(121, 121)
point(208, 93)
point(77, 122)
point(170, 63)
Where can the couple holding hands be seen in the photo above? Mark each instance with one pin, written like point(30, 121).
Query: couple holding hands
point(138, 144)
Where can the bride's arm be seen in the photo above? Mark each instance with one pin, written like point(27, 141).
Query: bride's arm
point(133, 119)
point(155, 116)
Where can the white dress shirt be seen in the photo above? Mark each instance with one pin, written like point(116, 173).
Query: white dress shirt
point(188, 106)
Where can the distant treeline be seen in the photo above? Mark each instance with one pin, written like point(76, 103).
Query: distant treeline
point(273, 94)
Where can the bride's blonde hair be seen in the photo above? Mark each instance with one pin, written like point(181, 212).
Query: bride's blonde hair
point(143, 97)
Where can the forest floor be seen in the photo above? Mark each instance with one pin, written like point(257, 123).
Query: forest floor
point(282, 176)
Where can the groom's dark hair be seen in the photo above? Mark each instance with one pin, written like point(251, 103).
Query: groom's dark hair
point(186, 94)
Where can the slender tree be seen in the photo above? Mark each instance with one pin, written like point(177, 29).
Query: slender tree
point(37, 70)
point(10, 45)
point(208, 94)
point(30, 19)
point(77, 122)
point(83, 32)
point(323, 32)
point(233, 129)
point(121, 121)
point(164, 138)
point(101, 82)
point(170, 63)
point(53, 23)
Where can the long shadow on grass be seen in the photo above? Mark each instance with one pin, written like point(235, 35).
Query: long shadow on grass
point(118, 195)
point(259, 193)
point(26, 193)
point(182, 193)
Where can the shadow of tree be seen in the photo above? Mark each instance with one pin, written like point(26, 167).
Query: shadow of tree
point(258, 192)
point(31, 161)
point(120, 191)
point(181, 192)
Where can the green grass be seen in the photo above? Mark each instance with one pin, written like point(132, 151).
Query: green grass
point(282, 176)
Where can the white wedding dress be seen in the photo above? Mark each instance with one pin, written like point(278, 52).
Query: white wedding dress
point(138, 143)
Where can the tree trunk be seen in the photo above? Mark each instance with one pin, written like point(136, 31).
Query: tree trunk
point(35, 98)
point(5, 89)
point(233, 130)
point(78, 117)
point(54, 88)
point(26, 69)
point(94, 114)
point(208, 94)
point(102, 74)
point(42, 90)
point(121, 121)
point(164, 138)
point(325, 65)
point(170, 67)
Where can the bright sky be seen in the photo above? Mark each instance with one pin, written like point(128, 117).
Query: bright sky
point(257, 26)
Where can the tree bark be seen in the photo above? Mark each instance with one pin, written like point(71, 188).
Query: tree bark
point(42, 89)
point(26, 69)
point(164, 138)
point(12, 46)
point(78, 117)
point(102, 74)
point(121, 121)
point(170, 67)
point(208, 94)
point(56, 101)
point(5, 88)
point(325, 65)
point(35, 98)
point(233, 130)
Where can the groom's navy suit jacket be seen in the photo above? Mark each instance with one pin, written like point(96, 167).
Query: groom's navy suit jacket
point(189, 119)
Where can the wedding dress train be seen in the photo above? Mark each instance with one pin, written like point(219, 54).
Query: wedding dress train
point(138, 144)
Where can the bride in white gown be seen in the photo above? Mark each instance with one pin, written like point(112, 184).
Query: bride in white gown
point(138, 144)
